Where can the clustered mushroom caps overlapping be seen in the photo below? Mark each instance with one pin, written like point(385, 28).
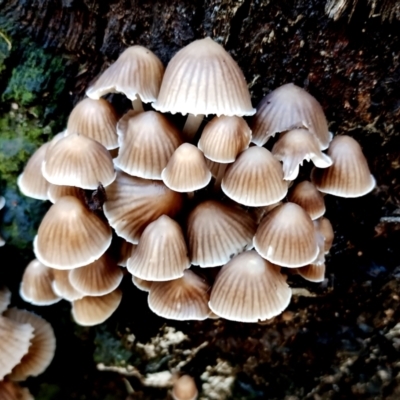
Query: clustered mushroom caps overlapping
point(176, 228)
point(27, 346)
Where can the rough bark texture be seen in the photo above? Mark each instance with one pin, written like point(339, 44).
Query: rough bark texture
point(341, 343)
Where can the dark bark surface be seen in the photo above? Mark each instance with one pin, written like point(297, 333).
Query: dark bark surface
point(341, 340)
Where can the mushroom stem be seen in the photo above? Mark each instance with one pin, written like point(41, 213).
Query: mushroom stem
point(192, 125)
point(137, 104)
point(220, 174)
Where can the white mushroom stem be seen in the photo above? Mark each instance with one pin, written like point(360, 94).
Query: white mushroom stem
point(192, 125)
point(137, 104)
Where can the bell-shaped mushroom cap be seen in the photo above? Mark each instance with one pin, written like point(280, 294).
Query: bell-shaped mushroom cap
point(132, 203)
point(223, 138)
point(306, 195)
point(289, 107)
point(76, 160)
point(70, 236)
point(95, 119)
point(55, 192)
point(146, 145)
point(126, 251)
point(295, 146)
point(42, 349)
point(31, 182)
point(36, 286)
point(15, 339)
point(248, 289)
point(216, 169)
point(186, 170)
point(349, 176)
point(324, 227)
point(202, 78)
point(312, 272)
point(138, 71)
point(182, 299)
point(161, 254)
point(62, 286)
point(287, 237)
point(98, 278)
point(5, 298)
point(255, 179)
point(12, 391)
point(216, 232)
point(185, 388)
point(90, 311)
point(141, 284)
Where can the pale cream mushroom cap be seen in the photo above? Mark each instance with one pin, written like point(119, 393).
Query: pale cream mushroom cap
point(324, 227)
point(55, 192)
point(185, 388)
point(289, 107)
point(137, 72)
point(312, 272)
point(62, 286)
point(141, 284)
point(202, 78)
point(5, 298)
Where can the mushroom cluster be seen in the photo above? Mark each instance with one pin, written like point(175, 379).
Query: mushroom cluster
point(207, 230)
point(27, 346)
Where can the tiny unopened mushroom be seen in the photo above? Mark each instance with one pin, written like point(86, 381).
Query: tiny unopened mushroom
point(349, 176)
point(185, 388)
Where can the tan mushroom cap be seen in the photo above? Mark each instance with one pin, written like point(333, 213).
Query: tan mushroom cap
point(248, 289)
point(98, 278)
point(255, 179)
point(223, 138)
point(216, 169)
point(181, 299)
point(289, 107)
point(5, 298)
point(15, 339)
point(137, 71)
point(55, 192)
point(349, 176)
point(97, 120)
point(126, 250)
point(295, 146)
point(312, 272)
point(186, 170)
point(185, 389)
point(202, 78)
point(12, 391)
point(306, 195)
point(90, 311)
point(62, 286)
point(132, 203)
point(42, 348)
point(287, 237)
point(31, 182)
point(55, 140)
point(161, 254)
point(142, 284)
point(146, 145)
point(76, 160)
point(36, 286)
point(216, 232)
point(324, 227)
point(70, 236)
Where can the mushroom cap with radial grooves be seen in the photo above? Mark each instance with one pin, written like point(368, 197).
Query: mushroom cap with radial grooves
point(36, 286)
point(202, 78)
point(126, 250)
point(31, 182)
point(146, 145)
point(306, 195)
point(289, 107)
point(295, 146)
point(55, 192)
point(216, 232)
point(255, 179)
point(324, 227)
point(223, 138)
point(95, 119)
point(181, 299)
point(15, 339)
point(186, 170)
point(42, 348)
point(349, 176)
point(137, 71)
point(132, 203)
point(98, 278)
point(141, 284)
point(5, 298)
point(90, 311)
point(76, 160)
point(287, 237)
point(312, 272)
point(161, 254)
point(185, 389)
point(12, 391)
point(248, 289)
point(62, 286)
point(70, 235)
